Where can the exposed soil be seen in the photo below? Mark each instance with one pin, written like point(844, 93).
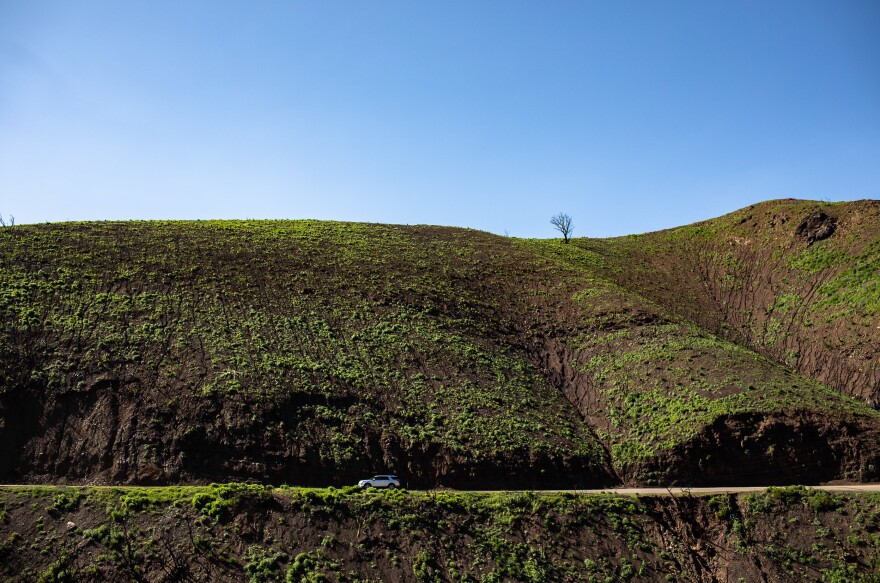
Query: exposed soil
point(109, 436)
point(759, 277)
point(316, 353)
point(257, 535)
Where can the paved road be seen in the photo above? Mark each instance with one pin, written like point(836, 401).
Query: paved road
point(842, 488)
point(676, 490)
point(720, 490)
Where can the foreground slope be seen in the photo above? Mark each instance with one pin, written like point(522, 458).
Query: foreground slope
point(236, 533)
point(314, 352)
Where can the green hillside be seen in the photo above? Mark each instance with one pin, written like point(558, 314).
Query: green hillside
point(237, 532)
point(311, 352)
point(758, 277)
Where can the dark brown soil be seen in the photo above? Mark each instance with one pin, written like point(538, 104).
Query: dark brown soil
point(90, 439)
point(816, 227)
point(315, 353)
point(786, 535)
point(733, 274)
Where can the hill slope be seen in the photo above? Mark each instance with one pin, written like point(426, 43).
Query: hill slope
point(794, 280)
point(251, 532)
point(313, 352)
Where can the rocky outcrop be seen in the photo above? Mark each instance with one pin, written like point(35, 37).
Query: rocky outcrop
point(816, 227)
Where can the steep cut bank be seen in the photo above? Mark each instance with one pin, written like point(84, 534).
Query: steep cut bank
point(237, 532)
point(313, 353)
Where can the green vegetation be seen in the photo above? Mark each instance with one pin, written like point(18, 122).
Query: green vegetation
point(815, 258)
point(316, 352)
point(351, 325)
point(660, 391)
point(774, 498)
point(294, 534)
point(217, 501)
point(857, 287)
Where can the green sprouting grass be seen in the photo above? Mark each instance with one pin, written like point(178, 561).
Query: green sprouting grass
point(430, 337)
point(369, 325)
point(816, 258)
point(857, 288)
point(295, 534)
point(665, 383)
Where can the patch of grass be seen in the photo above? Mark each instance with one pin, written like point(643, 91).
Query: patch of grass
point(66, 500)
point(818, 257)
point(857, 288)
point(656, 398)
point(263, 565)
point(219, 500)
point(774, 498)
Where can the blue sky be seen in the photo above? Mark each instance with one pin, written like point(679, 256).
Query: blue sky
point(630, 116)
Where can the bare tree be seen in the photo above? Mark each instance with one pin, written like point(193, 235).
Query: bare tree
point(562, 222)
point(11, 222)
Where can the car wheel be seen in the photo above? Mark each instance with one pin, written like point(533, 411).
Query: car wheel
point(390, 486)
point(367, 485)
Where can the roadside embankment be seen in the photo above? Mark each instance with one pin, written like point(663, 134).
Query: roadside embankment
point(236, 532)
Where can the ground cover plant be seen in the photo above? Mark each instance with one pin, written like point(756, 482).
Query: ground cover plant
point(246, 532)
point(759, 277)
point(333, 344)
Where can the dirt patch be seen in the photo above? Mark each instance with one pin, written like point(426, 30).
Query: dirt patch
point(109, 436)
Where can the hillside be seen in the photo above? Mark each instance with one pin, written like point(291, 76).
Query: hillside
point(259, 534)
point(312, 353)
point(794, 280)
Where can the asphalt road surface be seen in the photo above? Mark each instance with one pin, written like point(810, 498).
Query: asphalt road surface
point(677, 490)
point(722, 490)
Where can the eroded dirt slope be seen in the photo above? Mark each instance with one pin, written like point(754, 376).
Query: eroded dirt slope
point(237, 532)
point(678, 404)
point(313, 352)
point(797, 281)
point(298, 352)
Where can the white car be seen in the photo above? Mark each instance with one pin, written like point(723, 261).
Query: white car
point(383, 481)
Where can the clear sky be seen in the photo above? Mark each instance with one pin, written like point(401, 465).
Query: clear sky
point(630, 116)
